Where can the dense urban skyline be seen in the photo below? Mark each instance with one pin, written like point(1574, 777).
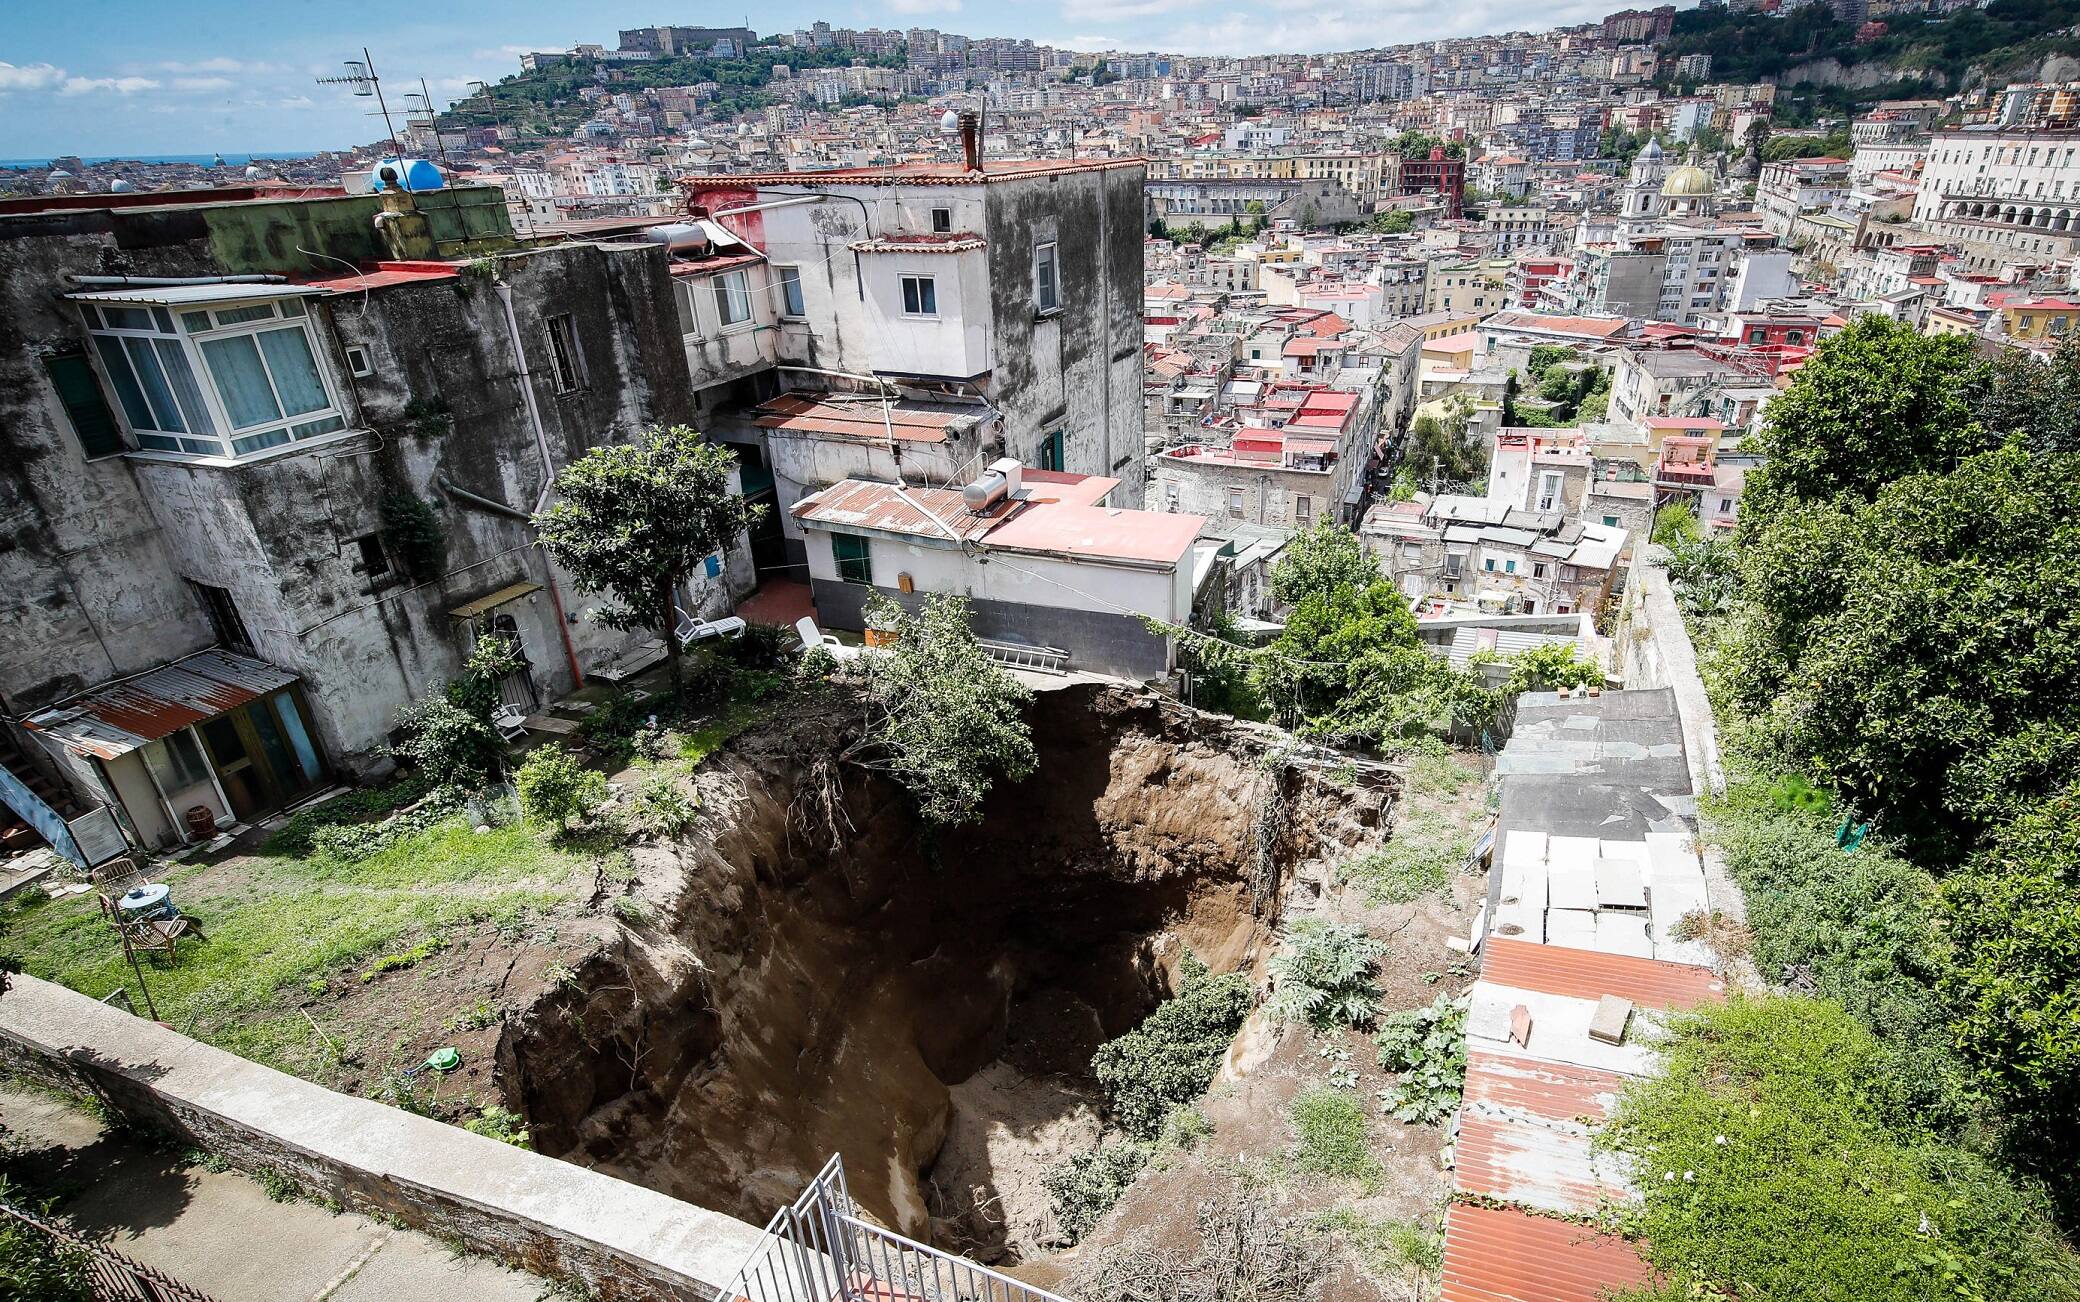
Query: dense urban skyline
point(154, 79)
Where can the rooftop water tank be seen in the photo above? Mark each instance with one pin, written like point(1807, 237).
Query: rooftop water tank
point(412, 175)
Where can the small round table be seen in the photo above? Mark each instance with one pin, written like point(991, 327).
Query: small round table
point(151, 903)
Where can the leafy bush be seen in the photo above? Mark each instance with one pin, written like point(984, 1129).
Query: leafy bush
point(1172, 1056)
point(1774, 1162)
point(405, 958)
point(1390, 1249)
point(501, 1124)
point(490, 661)
point(336, 845)
point(555, 787)
point(660, 807)
point(34, 1267)
point(1426, 1048)
point(1334, 1139)
point(1325, 975)
point(1086, 1186)
point(451, 747)
point(293, 838)
point(1184, 1130)
point(413, 534)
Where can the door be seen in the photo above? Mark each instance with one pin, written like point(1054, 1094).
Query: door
point(244, 784)
point(263, 759)
point(517, 688)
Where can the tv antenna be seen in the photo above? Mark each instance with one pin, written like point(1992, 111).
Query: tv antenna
point(361, 75)
point(424, 114)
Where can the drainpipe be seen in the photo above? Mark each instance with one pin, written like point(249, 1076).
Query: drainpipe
point(541, 442)
point(163, 282)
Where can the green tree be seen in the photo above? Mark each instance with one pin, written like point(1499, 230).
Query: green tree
point(1395, 221)
point(452, 747)
point(1875, 402)
point(1440, 455)
point(555, 787)
point(942, 719)
point(1170, 1059)
point(2035, 398)
point(636, 519)
point(1321, 559)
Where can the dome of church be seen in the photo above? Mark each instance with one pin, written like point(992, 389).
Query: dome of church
point(1652, 153)
point(1687, 182)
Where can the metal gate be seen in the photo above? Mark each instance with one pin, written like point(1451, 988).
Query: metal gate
point(817, 1249)
point(111, 1276)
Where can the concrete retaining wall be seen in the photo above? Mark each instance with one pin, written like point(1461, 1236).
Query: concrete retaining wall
point(617, 1239)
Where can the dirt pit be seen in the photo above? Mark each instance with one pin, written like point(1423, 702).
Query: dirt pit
point(926, 1006)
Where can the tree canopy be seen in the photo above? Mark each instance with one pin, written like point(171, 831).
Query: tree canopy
point(634, 520)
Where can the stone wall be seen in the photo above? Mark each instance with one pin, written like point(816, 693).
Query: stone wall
point(618, 1240)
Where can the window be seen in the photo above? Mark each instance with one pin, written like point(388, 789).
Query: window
point(358, 364)
point(1509, 567)
point(1235, 508)
point(732, 298)
point(371, 560)
point(1303, 511)
point(223, 615)
point(563, 353)
point(248, 372)
point(789, 279)
point(177, 761)
point(93, 424)
point(942, 220)
point(855, 564)
point(920, 296)
point(1454, 564)
point(1054, 451)
point(1538, 569)
point(1488, 564)
point(1047, 293)
point(1611, 521)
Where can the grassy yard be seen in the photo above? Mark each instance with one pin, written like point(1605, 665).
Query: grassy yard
point(278, 928)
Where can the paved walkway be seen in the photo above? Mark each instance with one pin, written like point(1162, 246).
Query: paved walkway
point(219, 1233)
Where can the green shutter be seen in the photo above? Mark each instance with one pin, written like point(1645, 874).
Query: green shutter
point(73, 377)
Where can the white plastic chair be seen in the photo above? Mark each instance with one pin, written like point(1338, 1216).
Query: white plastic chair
point(805, 629)
point(511, 724)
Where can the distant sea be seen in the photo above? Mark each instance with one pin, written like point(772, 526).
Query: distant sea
point(201, 160)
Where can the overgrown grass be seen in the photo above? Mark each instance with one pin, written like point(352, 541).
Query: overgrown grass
point(1334, 1139)
point(1390, 1249)
point(1425, 851)
point(282, 926)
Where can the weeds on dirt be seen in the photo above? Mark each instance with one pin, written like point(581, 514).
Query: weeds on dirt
point(501, 1124)
point(1426, 1048)
point(1184, 1130)
point(278, 1187)
point(1086, 1186)
point(1247, 1251)
point(1325, 976)
point(476, 1017)
point(1334, 1139)
point(214, 1163)
point(631, 910)
point(1390, 1250)
point(1426, 849)
point(1172, 1056)
point(1439, 775)
point(1342, 1075)
point(1727, 936)
point(405, 958)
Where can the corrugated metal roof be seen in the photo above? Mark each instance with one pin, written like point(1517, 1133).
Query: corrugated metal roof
point(190, 295)
point(1585, 974)
point(1538, 1088)
point(1511, 1256)
point(1548, 1164)
point(493, 600)
point(122, 717)
point(908, 422)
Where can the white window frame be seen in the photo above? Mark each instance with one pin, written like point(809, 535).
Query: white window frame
point(187, 328)
point(732, 291)
point(1047, 278)
point(792, 306)
point(928, 285)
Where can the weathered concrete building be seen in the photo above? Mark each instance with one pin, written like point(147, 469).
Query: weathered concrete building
point(933, 318)
point(303, 432)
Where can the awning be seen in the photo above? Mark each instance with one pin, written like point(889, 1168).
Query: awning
point(190, 295)
point(486, 604)
point(125, 716)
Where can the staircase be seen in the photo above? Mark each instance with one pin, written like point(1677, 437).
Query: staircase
point(14, 833)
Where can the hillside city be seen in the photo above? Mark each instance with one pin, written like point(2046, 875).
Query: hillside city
point(889, 666)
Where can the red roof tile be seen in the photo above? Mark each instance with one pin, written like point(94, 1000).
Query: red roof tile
point(1587, 974)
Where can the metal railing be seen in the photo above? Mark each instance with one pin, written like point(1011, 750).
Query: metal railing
point(110, 1276)
point(817, 1249)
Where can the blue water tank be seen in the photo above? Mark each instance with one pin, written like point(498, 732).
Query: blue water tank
point(409, 174)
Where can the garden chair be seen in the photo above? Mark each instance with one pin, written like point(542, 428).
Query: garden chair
point(150, 936)
point(509, 721)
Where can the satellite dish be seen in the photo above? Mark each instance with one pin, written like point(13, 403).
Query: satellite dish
point(253, 172)
point(949, 123)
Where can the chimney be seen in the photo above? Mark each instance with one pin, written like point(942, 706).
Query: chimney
point(971, 140)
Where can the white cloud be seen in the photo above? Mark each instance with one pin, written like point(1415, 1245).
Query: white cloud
point(296, 102)
point(1113, 11)
point(220, 64)
point(120, 85)
point(30, 76)
point(203, 83)
point(923, 6)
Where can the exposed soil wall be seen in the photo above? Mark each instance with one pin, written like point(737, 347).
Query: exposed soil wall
point(791, 1000)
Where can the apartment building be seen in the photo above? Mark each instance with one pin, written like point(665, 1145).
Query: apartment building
point(1795, 186)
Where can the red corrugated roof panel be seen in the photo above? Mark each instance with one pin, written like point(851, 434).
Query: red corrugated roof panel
point(1556, 1090)
point(1587, 974)
point(1510, 1256)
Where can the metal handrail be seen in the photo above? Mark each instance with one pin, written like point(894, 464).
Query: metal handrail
point(818, 1249)
point(111, 1276)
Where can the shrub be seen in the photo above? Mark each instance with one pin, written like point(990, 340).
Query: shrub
point(556, 788)
point(1772, 1165)
point(1184, 1130)
point(660, 807)
point(1171, 1057)
point(1086, 1186)
point(293, 839)
point(1325, 976)
point(451, 747)
point(35, 1267)
point(501, 1124)
point(1426, 1048)
point(1333, 1137)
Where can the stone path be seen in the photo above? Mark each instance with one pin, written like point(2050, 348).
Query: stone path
point(219, 1232)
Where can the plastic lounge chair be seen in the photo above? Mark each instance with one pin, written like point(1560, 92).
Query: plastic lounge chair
point(690, 630)
point(805, 629)
point(511, 724)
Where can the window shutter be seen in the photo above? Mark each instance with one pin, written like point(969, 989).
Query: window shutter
point(85, 406)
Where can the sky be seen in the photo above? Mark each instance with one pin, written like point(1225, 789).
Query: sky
point(98, 77)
